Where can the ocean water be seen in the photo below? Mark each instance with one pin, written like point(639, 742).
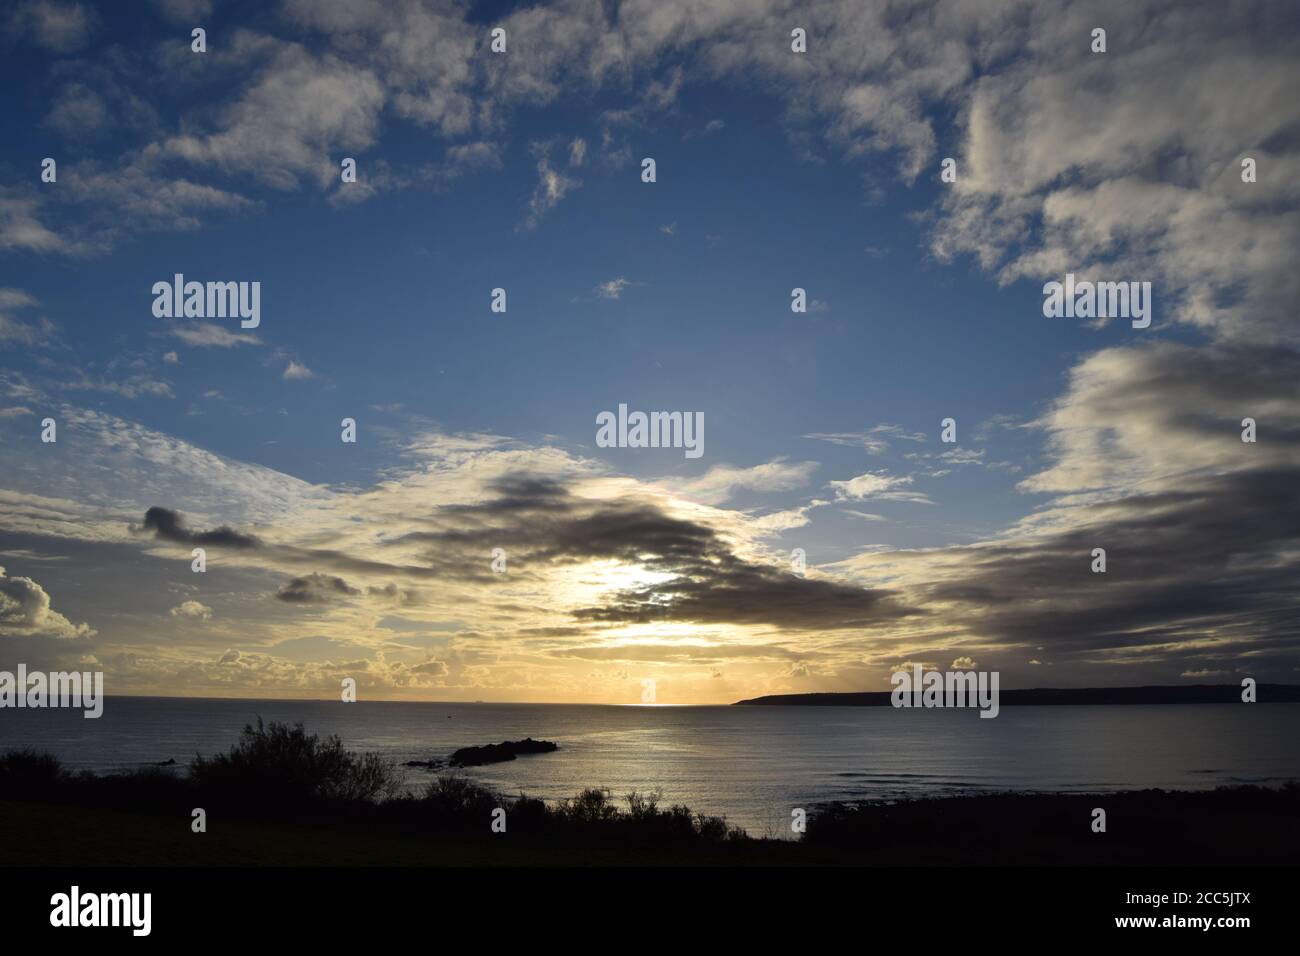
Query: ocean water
point(751, 764)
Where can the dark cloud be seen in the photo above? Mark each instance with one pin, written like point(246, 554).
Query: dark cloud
point(1201, 529)
point(404, 597)
point(316, 589)
point(168, 525)
point(1204, 574)
point(540, 523)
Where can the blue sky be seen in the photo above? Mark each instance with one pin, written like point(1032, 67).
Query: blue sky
point(772, 173)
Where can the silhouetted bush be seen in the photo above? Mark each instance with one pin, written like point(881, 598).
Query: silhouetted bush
point(280, 768)
point(643, 821)
point(28, 774)
point(591, 806)
point(452, 803)
point(456, 801)
point(147, 789)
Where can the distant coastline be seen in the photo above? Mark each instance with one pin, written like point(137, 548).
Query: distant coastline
point(1046, 696)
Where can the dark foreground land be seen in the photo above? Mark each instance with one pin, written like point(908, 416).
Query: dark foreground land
point(285, 798)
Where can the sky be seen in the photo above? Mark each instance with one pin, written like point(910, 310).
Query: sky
point(476, 541)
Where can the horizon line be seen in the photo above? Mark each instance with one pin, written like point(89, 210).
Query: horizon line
point(850, 693)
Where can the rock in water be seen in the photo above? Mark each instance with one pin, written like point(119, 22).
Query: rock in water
point(498, 753)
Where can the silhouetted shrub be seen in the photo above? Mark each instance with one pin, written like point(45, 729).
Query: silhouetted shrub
point(591, 806)
point(28, 774)
point(456, 800)
point(280, 768)
point(147, 789)
point(642, 821)
point(455, 803)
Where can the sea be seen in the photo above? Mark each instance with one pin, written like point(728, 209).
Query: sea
point(752, 764)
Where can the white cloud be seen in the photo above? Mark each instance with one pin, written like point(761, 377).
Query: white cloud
point(25, 611)
point(879, 485)
point(552, 187)
point(577, 151)
point(20, 227)
point(290, 122)
point(721, 482)
point(57, 26)
point(16, 332)
point(613, 289)
point(192, 610)
point(202, 335)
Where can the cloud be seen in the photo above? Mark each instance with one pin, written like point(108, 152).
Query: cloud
point(287, 125)
point(1202, 574)
point(184, 11)
point(137, 194)
point(1200, 529)
point(192, 610)
point(577, 151)
point(25, 611)
point(205, 335)
point(315, 589)
point(78, 112)
point(874, 440)
point(700, 577)
point(877, 485)
point(1016, 82)
point(120, 469)
point(613, 289)
point(552, 186)
point(168, 525)
point(16, 332)
point(297, 372)
point(431, 668)
point(721, 482)
point(20, 227)
point(1134, 416)
point(133, 386)
point(59, 27)
point(711, 127)
point(95, 206)
point(1216, 247)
